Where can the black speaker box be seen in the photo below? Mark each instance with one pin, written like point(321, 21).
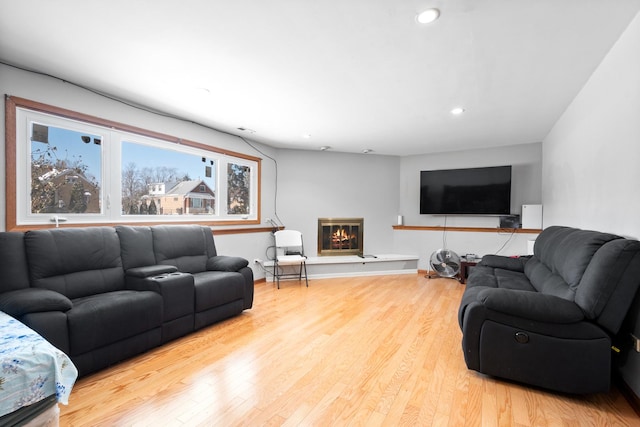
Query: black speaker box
point(511, 221)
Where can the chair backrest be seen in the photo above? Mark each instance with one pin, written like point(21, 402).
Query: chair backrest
point(288, 239)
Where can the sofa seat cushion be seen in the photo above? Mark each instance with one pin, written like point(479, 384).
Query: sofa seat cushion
point(512, 280)
point(486, 277)
point(102, 319)
point(490, 277)
point(216, 288)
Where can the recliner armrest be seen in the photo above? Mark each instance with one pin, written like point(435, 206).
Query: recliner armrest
point(530, 305)
point(33, 300)
point(505, 262)
point(226, 263)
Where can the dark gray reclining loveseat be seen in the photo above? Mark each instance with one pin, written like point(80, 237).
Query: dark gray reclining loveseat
point(549, 319)
point(104, 294)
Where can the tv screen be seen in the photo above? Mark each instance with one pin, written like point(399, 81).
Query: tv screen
point(479, 191)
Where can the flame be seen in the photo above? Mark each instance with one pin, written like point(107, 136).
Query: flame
point(340, 236)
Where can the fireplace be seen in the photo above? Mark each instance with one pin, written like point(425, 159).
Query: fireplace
point(340, 236)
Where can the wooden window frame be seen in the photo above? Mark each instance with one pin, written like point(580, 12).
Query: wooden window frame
point(12, 104)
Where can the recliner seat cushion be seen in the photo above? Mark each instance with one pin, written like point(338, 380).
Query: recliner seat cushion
point(512, 280)
point(102, 319)
point(216, 288)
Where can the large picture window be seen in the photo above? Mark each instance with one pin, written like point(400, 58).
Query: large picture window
point(73, 168)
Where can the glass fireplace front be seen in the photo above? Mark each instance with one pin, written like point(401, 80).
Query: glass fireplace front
point(340, 236)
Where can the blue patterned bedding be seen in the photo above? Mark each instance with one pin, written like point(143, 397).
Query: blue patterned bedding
point(30, 368)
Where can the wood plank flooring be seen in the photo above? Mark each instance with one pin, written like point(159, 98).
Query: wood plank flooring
point(367, 351)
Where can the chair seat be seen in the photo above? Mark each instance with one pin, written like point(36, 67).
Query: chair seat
point(291, 259)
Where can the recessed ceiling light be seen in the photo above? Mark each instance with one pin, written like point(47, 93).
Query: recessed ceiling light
point(457, 111)
point(428, 16)
point(324, 148)
point(306, 136)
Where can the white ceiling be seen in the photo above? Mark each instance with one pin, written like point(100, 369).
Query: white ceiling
point(353, 74)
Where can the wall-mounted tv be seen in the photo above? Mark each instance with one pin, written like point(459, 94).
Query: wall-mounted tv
point(473, 191)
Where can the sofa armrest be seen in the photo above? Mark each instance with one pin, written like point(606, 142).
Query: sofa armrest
point(151, 270)
point(505, 262)
point(33, 300)
point(226, 263)
point(530, 305)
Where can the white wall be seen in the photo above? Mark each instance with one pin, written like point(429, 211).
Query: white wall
point(591, 157)
point(319, 184)
point(591, 162)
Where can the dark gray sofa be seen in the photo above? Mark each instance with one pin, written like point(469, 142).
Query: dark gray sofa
point(549, 320)
point(104, 294)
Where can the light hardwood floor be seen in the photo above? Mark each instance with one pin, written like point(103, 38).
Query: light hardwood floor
point(367, 351)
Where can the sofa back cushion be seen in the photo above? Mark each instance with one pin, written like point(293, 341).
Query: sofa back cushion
point(136, 245)
point(188, 247)
point(561, 256)
point(610, 283)
point(13, 262)
point(75, 262)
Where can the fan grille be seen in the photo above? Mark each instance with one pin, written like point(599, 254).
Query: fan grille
point(445, 262)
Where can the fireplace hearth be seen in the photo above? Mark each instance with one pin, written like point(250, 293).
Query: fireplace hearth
point(340, 236)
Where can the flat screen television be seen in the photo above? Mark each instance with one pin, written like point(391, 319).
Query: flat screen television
point(473, 191)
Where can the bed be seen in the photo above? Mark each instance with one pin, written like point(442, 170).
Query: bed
point(34, 376)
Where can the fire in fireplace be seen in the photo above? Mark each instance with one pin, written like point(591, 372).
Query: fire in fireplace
point(340, 236)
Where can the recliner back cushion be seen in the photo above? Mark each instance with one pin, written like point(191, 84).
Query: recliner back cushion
point(136, 245)
point(188, 247)
point(564, 254)
point(13, 262)
point(547, 282)
point(75, 262)
point(610, 282)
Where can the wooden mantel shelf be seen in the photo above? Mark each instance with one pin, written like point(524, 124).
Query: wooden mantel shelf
point(468, 229)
